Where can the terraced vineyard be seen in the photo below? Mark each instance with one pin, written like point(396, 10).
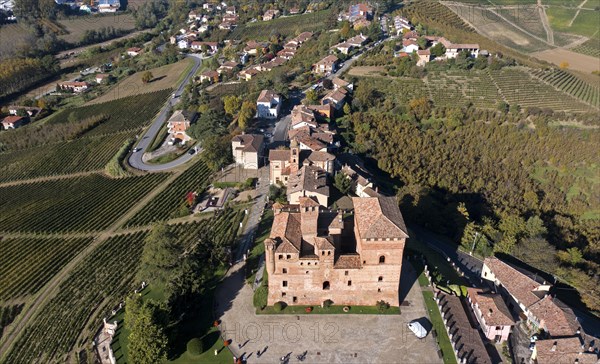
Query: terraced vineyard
point(126, 114)
point(105, 276)
point(571, 84)
point(520, 88)
point(80, 155)
point(26, 264)
point(162, 206)
point(456, 88)
point(89, 203)
point(106, 273)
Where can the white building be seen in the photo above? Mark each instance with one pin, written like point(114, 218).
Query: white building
point(268, 105)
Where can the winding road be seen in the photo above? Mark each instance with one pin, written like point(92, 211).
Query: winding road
point(135, 159)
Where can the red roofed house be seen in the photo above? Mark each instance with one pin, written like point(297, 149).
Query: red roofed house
point(326, 65)
point(247, 150)
point(211, 47)
point(314, 254)
point(530, 299)
point(134, 51)
point(74, 86)
point(13, 122)
point(336, 98)
point(102, 77)
point(210, 76)
point(268, 104)
point(491, 312)
point(179, 123)
point(565, 350)
point(452, 49)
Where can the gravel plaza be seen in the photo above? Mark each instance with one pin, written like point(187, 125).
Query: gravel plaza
point(346, 338)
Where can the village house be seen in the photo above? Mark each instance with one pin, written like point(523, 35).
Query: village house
point(361, 24)
point(13, 122)
point(574, 349)
point(530, 299)
point(211, 47)
point(360, 11)
point(247, 150)
point(102, 77)
point(493, 316)
point(358, 40)
point(303, 37)
point(326, 65)
point(361, 183)
point(193, 15)
point(179, 123)
point(424, 57)
point(338, 83)
point(248, 73)
point(28, 110)
point(134, 51)
point(74, 86)
point(208, 6)
point(401, 24)
point(295, 10)
point(268, 105)
point(270, 14)
point(308, 181)
point(228, 67)
point(253, 47)
point(452, 49)
point(285, 162)
point(314, 255)
point(286, 53)
point(230, 10)
point(335, 98)
point(344, 47)
point(210, 76)
point(303, 116)
point(409, 46)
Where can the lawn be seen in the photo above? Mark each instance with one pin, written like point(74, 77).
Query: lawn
point(76, 26)
point(165, 77)
point(438, 324)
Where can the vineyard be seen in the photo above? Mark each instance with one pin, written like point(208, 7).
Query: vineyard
point(455, 88)
point(128, 113)
point(26, 264)
point(591, 47)
point(105, 276)
point(89, 203)
point(106, 273)
point(164, 205)
point(400, 89)
point(570, 84)
point(93, 149)
point(520, 88)
point(286, 26)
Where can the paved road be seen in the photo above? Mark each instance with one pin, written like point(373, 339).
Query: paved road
point(135, 159)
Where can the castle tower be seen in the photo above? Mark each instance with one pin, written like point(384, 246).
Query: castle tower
point(270, 256)
point(294, 157)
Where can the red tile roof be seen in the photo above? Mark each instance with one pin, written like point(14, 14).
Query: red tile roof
point(379, 217)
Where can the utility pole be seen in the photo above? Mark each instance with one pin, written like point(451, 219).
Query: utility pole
point(474, 242)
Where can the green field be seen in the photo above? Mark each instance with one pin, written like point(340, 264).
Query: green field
point(586, 22)
point(286, 26)
point(89, 203)
point(77, 26)
point(26, 264)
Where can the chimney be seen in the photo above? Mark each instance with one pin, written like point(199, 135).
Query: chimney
point(490, 313)
point(553, 347)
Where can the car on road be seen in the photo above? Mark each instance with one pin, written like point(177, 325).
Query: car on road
point(192, 151)
point(135, 150)
point(268, 135)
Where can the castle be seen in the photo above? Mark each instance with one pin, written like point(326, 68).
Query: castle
point(314, 254)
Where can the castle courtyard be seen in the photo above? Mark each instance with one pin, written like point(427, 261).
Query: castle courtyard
point(342, 338)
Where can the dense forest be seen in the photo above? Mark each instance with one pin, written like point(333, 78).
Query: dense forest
point(528, 189)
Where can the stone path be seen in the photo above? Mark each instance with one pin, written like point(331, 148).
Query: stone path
point(324, 338)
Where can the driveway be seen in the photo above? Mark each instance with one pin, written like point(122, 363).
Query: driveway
point(325, 338)
point(135, 159)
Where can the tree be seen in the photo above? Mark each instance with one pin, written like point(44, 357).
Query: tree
point(217, 151)
point(420, 107)
point(572, 256)
point(502, 106)
point(231, 104)
point(195, 346)
point(347, 109)
point(345, 30)
point(422, 42)
point(160, 256)
point(534, 227)
point(146, 321)
point(246, 114)
point(311, 97)
point(438, 50)
point(147, 77)
point(342, 182)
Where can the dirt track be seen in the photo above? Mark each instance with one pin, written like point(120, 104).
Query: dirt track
point(579, 62)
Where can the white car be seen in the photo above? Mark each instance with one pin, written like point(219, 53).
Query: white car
point(417, 329)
